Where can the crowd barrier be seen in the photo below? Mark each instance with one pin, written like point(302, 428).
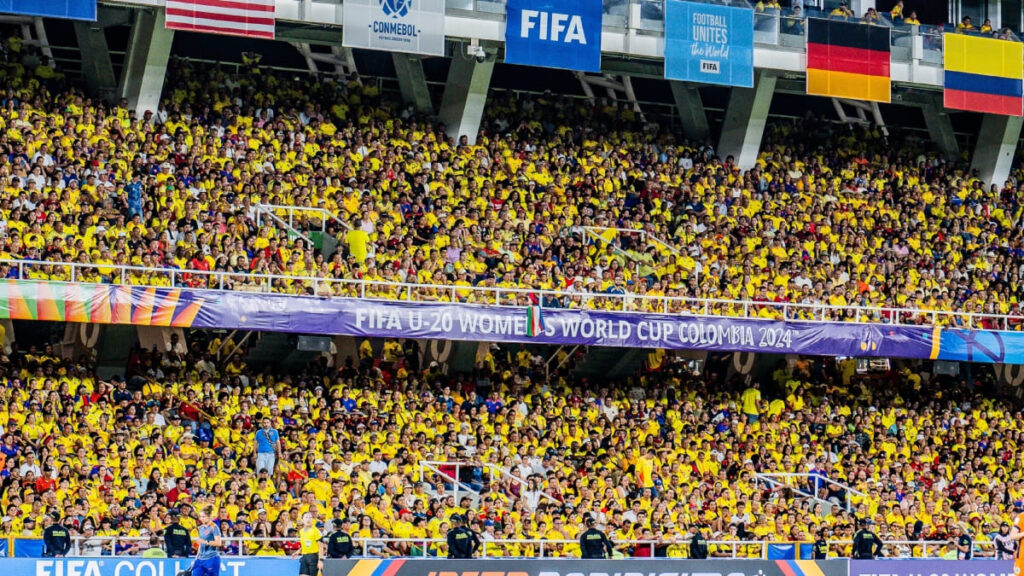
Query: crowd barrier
point(260, 566)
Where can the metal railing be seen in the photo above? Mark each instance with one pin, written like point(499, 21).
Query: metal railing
point(802, 482)
point(321, 214)
point(453, 479)
point(95, 546)
point(261, 211)
point(629, 302)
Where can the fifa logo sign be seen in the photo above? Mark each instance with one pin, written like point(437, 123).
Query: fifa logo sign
point(553, 27)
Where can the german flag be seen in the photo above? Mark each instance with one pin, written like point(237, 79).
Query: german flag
point(848, 60)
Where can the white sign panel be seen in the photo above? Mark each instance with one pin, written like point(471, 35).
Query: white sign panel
point(414, 26)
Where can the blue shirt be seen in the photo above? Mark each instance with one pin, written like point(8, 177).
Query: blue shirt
point(208, 534)
point(266, 440)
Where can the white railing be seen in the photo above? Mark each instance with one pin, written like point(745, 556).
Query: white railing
point(496, 296)
point(453, 479)
point(496, 547)
point(799, 482)
point(261, 211)
point(321, 214)
point(435, 467)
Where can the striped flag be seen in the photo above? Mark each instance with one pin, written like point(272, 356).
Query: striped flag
point(848, 60)
point(983, 74)
point(251, 18)
point(534, 316)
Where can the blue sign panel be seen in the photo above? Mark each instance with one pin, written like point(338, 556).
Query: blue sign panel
point(76, 9)
point(554, 34)
point(709, 43)
point(128, 566)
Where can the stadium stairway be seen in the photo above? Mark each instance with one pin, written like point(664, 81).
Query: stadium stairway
point(608, 363)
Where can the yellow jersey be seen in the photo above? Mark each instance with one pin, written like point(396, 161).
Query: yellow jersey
point(310, 538)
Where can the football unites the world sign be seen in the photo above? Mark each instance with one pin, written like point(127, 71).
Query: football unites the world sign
point(413, 26)
point(708, 43)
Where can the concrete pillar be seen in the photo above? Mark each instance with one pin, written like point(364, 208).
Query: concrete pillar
point(412, 81)
point(145, 66)
point(997, 142)
point(465, 95)
point(940, 129)
point(745, 117)
point(96, 64)
point(691, 110)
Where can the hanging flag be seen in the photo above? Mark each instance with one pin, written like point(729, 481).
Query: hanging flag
point(983, 74)
point(534, 316)
point(848, 60)
point(250, 18)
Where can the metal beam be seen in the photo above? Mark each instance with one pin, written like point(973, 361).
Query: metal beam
point(745, 119)
point(149, 49)
point(299, 33)
point(994, 151)
point(690, 109)
point(96, 64)
point(412, 81)
point(940, 129)
point(465, 95)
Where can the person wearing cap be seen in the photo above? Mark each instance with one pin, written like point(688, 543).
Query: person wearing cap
point(339, 542)
point(56, 539)
point(462, 542)
point(594, 544)
point(866, 545)
point(842, 11)
point(1005, 548)
point(177, 540)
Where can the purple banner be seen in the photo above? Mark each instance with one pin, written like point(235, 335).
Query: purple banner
point(922, 567)
point(187, 308)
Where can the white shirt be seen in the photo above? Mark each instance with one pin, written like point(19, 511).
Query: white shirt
point(379, 466)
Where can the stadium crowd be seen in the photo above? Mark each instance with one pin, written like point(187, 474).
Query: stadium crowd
point(647, 459)
point(830, 216)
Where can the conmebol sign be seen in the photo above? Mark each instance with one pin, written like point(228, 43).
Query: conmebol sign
point(414, 26)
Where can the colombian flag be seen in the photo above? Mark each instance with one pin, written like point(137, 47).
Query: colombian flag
point(983, 74)
point(847, 60)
